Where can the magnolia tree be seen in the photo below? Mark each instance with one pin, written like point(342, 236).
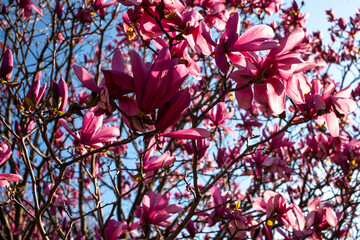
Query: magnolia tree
point(164, 119)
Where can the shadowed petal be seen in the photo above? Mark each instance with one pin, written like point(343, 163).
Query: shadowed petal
point(86, 79)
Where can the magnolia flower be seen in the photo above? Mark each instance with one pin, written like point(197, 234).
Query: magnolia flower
point(156, 83)
point(173, 110)
point(339, 102)
point(231, 44)
point(92, 132)
point(273, 76)
point(276, 208)
point(152, 162)
point(218, 116)
point(35, 94)
point(27, 6)
point(6, 68)
point(156, 210)
point(5, 153)
point(321, 216)
point(60, 94)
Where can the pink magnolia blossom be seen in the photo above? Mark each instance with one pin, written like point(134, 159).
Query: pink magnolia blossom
point(27, 6)
point(276, 208)
point(5, 153)
point(221, 199)
point(60, 94)
point(35, 94)
point(321, 216)
point(92, 132)
point(231, 45)
point(172, 110)
point(152, 162)
point(274, 75)
point(327, 106)
point(114, 229)
point(156, 83)
point(100, 5)
point(156, 210)
point(6, 68)
point(219, 115)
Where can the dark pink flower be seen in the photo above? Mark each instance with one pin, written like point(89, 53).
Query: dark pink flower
point(172, 110)
point(321, 216)
point(60, 94)
point(156, 83)
point(5, 153)
point(34, 95)
point(92, 132)
point(276, 208)
point(27, 6)
point(274, 75)
point(327, 105)
point(114, 229)
point(100, 5)
point(152, 162)
point(6, 68)
point(231, 44)
point(156, 210)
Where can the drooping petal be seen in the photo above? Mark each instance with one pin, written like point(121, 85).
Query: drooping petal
point(332, 124)
point(290, 41)
point(331, 217)
point(276, 96)
point(63, 123)
point(86, 79)
point(244, 97)
point(191, 133)
point(11, 177)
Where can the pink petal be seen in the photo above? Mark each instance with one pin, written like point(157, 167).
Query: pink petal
point(10, 177)
point(331, 217)
point(345, 93)
point(105, 135)
point(36, 9)
point(257, 33)
point(332, 124)
point(220, 58)
point(117, 62)
point(310, 218)
point(244, 97)
point(290, 41)
point(191, 133)
point(314, 204)
point(86, 79)
point(276, 96)
point(259, 204)
point(63, 90)
point(5, 152)
point(344, 106)
point(129, 106)
point(63, 123)
point(294, 91)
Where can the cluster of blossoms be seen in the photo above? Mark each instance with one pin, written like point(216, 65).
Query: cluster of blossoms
point(198, 119)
